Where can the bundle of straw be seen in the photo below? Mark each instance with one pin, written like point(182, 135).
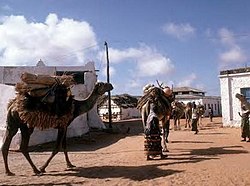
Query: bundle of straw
point(39, 85)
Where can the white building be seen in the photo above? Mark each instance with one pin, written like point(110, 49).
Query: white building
point(84, 75)
point(122, 107)
point(232, 82)
point(188, 94)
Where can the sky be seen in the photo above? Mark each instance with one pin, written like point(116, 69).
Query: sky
point(175, 42)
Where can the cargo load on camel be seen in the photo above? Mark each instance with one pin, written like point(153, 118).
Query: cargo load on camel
point(44, 101)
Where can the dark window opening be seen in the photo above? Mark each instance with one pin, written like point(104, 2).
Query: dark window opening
point(246, 93)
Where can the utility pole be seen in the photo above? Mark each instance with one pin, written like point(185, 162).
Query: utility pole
point(109, 93)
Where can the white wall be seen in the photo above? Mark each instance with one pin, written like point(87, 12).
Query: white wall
point(216, 102)
point(230, 85)
point(126, 113)
point(78, 127)
point(7, 93)
point(129, 113)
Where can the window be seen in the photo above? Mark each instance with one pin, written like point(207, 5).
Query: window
point(246, 92)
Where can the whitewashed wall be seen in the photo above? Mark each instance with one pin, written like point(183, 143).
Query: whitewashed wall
point(7, 93)
point(231, 84)
point(78, 127)
point(129, 113)
point(126, 113)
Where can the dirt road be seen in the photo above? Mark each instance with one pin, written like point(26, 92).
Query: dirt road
point(215, 156)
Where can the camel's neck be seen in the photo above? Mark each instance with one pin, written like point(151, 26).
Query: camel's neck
point(245, 103)
point(87, 104)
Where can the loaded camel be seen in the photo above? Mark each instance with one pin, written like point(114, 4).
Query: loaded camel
point(200, 113)
point(26, 113)
point(178, 111)
point(188, 114)
point(155, 108)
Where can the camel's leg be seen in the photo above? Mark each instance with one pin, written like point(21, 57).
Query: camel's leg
point(165, 133)
point(60, 135)
point(9, 134)
point(64, 147)
point(26, 132)
point(167, 125)
point(179, 124)
point(144, 120)
point(175, 123)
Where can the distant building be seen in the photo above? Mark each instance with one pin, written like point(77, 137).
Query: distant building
point(232, 82)
point(122, 107)
point(188, 94)
point(85, 76)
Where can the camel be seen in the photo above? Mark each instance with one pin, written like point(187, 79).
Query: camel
point(155, 108)
point(243, 101)
point(26, 120)
point(188, 114)
point(178, 110)
point(200, 113)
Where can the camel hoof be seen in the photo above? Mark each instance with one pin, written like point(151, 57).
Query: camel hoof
point(165, 150)
point(163, 156)
point(9, 174)
point(42, 170)
point(70, 166)
point(148, 158)
point(38, 173)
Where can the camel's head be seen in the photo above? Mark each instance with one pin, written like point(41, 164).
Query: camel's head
point(101, 87)
point(240, 96)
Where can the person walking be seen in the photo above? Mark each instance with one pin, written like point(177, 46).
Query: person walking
point(210, 114)
point(195, 119)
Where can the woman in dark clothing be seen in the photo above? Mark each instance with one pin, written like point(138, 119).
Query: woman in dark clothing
point(245, 129)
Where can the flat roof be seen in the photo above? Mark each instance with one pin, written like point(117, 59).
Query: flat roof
point(186, 89)
point(235, 71)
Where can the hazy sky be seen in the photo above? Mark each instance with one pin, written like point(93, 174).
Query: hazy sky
point(177, 42)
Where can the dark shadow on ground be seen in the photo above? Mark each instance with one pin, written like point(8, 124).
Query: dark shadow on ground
point(212, 133)
point(136, 173)
point(210, 151)
point(215, 151)
point(96, 138)
point(191, 142)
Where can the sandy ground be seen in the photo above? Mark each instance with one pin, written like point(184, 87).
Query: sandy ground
point(216, 156)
